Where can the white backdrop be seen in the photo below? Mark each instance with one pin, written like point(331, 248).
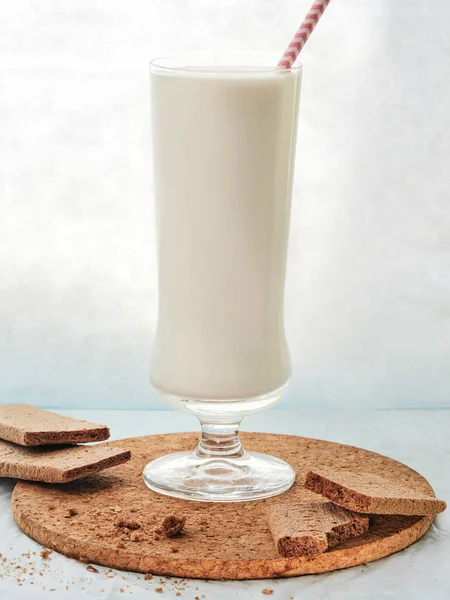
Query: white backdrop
point(368, 290)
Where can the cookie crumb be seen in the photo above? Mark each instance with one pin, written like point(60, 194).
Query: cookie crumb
point(148, 576)
point(45, 553)
point(122, 590)
point(135, 537)
point(159, 590)
point(71, 512)
point(92, 569)
point(128, 524)
point(267, 592)
point(172, 525)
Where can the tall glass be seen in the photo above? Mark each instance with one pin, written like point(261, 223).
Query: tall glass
point(224, 132)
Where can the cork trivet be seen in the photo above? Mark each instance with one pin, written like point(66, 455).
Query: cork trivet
point(30, 426)
point(218, 541)
point(370, 493)
point(56, 464)
point(310, 528)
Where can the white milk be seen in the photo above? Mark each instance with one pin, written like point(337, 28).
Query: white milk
point(223, 148)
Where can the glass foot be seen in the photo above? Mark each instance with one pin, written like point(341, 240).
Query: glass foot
point(251, 476)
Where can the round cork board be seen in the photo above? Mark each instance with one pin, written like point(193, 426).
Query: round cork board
point(220, 541)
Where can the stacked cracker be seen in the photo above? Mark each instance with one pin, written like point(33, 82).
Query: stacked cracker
point(36, 445)
point(308, 529)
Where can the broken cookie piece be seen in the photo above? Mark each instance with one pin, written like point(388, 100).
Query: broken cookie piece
point(371, 494)
point(306, 529)
point(172, 526)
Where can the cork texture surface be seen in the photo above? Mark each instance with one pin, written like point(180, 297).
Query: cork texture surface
point(113, 519)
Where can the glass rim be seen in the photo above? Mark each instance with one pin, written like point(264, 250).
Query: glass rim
point(208, 64)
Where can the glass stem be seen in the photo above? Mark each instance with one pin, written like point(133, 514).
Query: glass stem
point(219, 440)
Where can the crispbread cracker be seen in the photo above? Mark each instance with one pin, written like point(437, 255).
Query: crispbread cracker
point(30, 426)
point(305, 529)
point(371, 494)
point(57, 464)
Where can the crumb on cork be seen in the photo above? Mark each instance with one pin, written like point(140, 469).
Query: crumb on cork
point(172, 525)
point(130, 524)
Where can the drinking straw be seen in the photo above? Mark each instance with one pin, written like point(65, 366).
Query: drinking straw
point(303, 33)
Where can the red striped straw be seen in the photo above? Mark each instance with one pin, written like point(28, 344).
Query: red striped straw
point(303, 33)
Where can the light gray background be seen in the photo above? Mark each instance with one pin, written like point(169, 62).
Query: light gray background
point(368, 290)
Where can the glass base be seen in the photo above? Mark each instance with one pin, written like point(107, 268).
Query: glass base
point(252, 476)
point(219, 469)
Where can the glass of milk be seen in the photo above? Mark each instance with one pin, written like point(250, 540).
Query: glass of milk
point(224, 133)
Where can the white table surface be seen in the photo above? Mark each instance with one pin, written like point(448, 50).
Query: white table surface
point(418, 438)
